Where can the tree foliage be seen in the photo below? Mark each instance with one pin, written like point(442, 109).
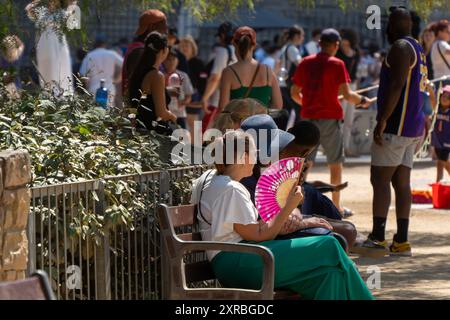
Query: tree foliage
point(11, 10)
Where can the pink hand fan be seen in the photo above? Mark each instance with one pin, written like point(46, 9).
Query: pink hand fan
point(275, 184)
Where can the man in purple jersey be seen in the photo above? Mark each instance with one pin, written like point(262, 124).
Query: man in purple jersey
point(398, 131)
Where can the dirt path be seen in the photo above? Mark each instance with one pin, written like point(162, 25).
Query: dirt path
point(426, 275)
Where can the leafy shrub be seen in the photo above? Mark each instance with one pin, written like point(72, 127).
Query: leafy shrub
point(72, 139)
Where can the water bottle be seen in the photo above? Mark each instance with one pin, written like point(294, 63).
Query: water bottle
point(101, 96)
point(174, 82)
point(283, 74)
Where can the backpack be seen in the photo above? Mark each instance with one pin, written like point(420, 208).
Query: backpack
point(206, 73)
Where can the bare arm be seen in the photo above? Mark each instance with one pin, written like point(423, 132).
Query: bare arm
point(225, 89)
point(277, 99)
point(296, 94)
point(154, 81)
point(353, 97)
point(211, 86)
point(400, 59)
point(186, 101)
point(30, 9)
point(430, 90)
point(269, 231)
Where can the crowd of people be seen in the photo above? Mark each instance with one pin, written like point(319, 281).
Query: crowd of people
point(306, 93)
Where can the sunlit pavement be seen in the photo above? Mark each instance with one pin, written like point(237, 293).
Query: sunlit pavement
point(425, 275)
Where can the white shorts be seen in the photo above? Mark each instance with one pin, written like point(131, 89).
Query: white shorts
point(395, 151)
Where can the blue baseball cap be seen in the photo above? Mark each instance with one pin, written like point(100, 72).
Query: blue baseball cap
point(274, 141)
point(330, 35)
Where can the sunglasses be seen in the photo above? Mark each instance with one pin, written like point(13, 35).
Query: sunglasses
point(393, 8)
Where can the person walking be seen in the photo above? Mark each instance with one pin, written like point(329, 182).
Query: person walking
point(400, 125)
point(173, 75)
point(440, 50)
point(224, 55)
point(289, 59)
point(318, 81)
point(247, 78)
point(102, 63)
point(427, 38)
point(149, 21)
point(52, 51)
point(189, 48)
point(350, 54)
point(147, 87)
point(174, 42)
point(313, 46)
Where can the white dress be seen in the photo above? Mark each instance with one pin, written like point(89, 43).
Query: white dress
point(52, 54)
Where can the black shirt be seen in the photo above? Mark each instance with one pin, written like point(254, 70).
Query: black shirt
point(196, 68)
point(351, 63)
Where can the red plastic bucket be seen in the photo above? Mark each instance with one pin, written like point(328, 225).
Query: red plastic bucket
point(441, 196)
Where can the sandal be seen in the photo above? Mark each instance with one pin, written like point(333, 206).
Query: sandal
point(346, 213)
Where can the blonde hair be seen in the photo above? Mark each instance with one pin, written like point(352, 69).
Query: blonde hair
point(237, 111)
point(192, 43)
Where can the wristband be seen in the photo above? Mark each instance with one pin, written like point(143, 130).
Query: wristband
point(363, 100)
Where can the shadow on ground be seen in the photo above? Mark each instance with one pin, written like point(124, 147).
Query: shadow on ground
point(424, 276)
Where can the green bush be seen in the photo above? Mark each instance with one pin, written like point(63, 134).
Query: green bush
point(71, 139)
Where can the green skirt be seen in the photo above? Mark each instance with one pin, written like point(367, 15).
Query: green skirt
point(315, 267)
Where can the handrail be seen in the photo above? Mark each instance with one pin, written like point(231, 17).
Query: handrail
point(443, 78)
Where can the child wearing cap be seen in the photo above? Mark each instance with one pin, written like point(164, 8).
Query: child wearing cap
point(441, 134)
point(180, 79)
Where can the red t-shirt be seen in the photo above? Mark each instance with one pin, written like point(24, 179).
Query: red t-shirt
point(125, 75)
point(320, 76)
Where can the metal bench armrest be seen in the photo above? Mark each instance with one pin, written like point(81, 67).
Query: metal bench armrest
point(266, 255)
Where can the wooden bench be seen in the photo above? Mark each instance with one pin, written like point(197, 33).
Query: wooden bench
point(178, 275)
point(36, 287)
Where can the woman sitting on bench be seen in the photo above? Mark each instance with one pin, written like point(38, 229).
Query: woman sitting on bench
point(314, 267)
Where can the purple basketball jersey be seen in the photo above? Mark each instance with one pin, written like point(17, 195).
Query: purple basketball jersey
point(407, 120)
point(441, 133)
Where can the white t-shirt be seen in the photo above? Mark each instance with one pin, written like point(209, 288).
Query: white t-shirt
point(221, 61)
point(224, 202)
point(440, 69)
point(100, 64)
point(293, 57)
point(312, 47)
point(270, 62)
point(185, 90)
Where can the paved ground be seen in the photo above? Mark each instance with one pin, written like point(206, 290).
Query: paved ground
point(427, 274)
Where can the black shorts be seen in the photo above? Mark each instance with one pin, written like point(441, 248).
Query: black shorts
point(442, 154)
point(182, 122)
point(190, 110)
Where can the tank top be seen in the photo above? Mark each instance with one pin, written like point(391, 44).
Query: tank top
point(407, 120)
point(146, 113)
point(262, 93)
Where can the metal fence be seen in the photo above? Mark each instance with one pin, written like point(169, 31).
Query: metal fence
point(123, 262)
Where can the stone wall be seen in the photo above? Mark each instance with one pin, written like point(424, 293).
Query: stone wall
point(15, 173)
